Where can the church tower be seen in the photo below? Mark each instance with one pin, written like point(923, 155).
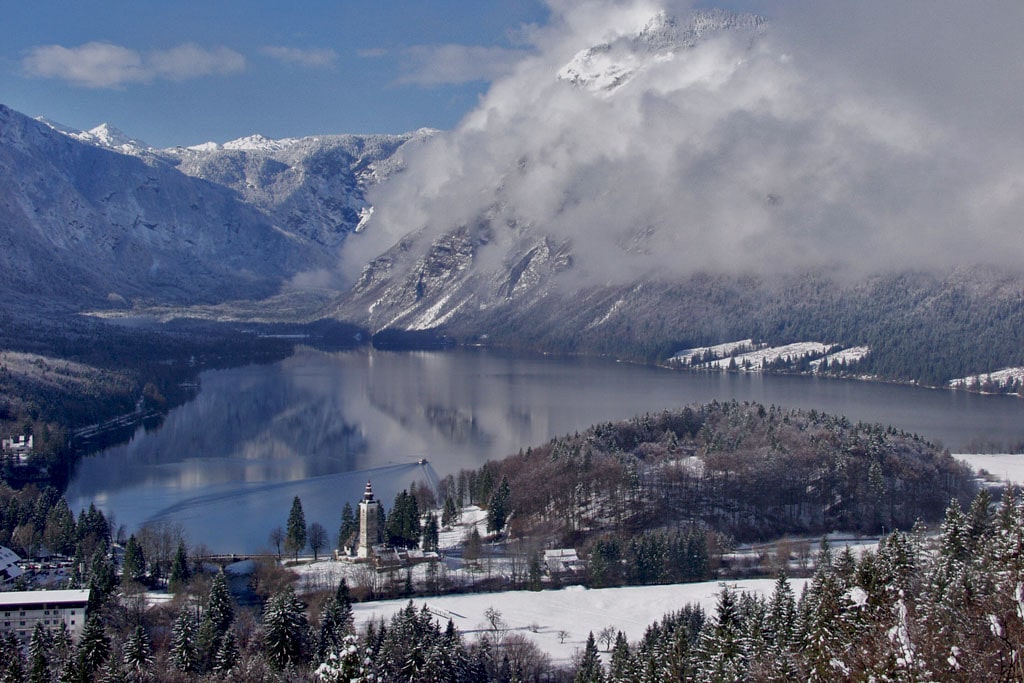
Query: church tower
point(369, 510)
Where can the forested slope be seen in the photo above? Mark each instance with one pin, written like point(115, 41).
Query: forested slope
point(743, 469)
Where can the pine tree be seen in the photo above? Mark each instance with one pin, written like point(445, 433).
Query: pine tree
point(93, 647)
point(450, 513)
point(285, 630)
point(138, 655)
point(184, 655)
point(39, 654)
point(497, 506)
point(589, 669)
point(134, 564)
point(216, 621)
point(344, 665)
point(180, 572)
point(430, 533)
point(12, 661)
point(619, 666)
point(721, 644)
point(295, 531)
point(349, 526)
point(227, 655)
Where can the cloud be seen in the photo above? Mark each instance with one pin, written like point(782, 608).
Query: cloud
point(863, 137)
point(312, 58)
point(104, 65)
point(431, 65)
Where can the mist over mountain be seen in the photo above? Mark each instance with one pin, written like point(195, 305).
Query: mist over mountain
point(648, 177)
point(654, 177)
point(644, 141)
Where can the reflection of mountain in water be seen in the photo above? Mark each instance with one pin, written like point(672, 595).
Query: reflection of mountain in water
point(318, 425)
point(456, 425)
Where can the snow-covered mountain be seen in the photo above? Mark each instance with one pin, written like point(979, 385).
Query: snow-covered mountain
point(611, 64)
point(98, 215)
point(314, 186)
point(500, 256)
point(80, 224)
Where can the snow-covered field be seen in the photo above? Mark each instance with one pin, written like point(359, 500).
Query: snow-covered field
point(1000, 378)
point(1004, 466)
point(577, 611)
point(749, 355)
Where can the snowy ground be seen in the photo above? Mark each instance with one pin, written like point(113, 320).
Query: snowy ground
point(1008, 468)
point(1000, 377)
point(577, 611)
point(746, 353)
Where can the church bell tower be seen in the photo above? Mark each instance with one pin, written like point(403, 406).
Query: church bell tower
point(369, 511)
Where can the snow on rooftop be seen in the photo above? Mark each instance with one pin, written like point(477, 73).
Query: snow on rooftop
point(14, 598)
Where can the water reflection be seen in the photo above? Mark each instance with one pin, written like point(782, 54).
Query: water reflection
point(317, 425)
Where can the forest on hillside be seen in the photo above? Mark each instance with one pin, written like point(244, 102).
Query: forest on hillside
point(921, 327)
point(750, 471)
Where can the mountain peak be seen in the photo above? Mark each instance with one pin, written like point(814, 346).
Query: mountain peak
point(259, 143)
point(608, 66)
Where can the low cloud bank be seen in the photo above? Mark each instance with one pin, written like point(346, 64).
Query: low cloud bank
point(859, 137)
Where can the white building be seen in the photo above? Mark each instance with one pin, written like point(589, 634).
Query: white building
point(20, 611)
point(20, 446)
point(369, 511)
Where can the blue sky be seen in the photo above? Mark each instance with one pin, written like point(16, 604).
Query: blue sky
point(183, 72)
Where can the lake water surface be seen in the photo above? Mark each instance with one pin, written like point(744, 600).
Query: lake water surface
point(318, 425)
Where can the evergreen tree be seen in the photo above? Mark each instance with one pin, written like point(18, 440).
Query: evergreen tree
point(295, 530)
point(216, 620)
point(336, 622)
point(93, 647)
point(721, 645)
point(589, 669)
point(450, 512)
point(620, 665)
point(180, 572)
point(285, 630)
point(343, 665)
point(349, 527)
point(12, 661)
point(184, 655)
point(134, 564)
point(497, 506)
point(60, 533)
point(39, 654)
point(227, 655)
point(403, 522)
point(430, 533)
point(138, 655)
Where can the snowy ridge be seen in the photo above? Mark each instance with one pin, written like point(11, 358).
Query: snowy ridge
point(606, 67)
point(259, 143)
point(103, 135)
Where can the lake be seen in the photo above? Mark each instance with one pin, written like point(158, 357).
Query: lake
point(317, 425)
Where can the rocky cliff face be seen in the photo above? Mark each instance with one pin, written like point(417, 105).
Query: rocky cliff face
point(94, 218)
point(314, 187)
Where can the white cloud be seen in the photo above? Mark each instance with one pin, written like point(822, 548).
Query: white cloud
point(430, 65)
point(104, 65)
point(832, 139)
point(325, 57)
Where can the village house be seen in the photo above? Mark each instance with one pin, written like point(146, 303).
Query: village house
point(19, 447)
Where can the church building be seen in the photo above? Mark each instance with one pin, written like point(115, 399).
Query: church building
point(369, 522)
